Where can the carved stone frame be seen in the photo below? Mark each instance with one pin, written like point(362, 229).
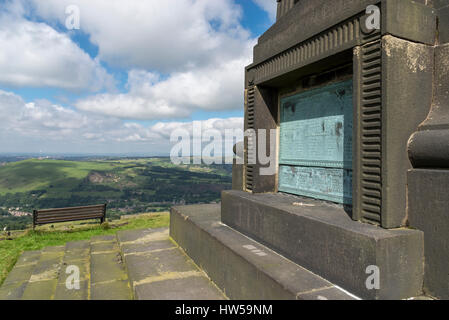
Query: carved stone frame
point(379, 172)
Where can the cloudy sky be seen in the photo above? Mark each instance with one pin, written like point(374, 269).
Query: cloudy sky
point(133, 72)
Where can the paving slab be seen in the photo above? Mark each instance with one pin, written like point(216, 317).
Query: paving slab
point(106, 267)
point(159, 270)
point(41, 290)
point(19, 274)
point(44, 278)
point(77, 245)
point(104, 246)
point(189, 288)
point(114, 290)
point(48, 266)
point(28, 257)
point(76, 252)
point(76, 260)
point(72, 293)
point(54, 249)
point(12, 291)
point(108, 277)
point(141, 266)
point(142, 236)
point(68, 270)
point(146, 247)
point(103, 238)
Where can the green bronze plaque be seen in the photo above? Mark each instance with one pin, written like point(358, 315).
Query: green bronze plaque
point(316, 143)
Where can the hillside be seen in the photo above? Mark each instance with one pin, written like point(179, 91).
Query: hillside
point(127, 185)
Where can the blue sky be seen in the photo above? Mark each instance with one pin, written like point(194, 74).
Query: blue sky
point(133, 71)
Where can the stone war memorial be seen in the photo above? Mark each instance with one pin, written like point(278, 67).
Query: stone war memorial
point(356, 93)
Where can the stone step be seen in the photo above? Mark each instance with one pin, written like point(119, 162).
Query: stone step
point(44, 278)
point(323, 238)
point(159, 270)
point(14, 285)
point(77, 254)
point(109, 280)
point(49, 274)
point(241, 267)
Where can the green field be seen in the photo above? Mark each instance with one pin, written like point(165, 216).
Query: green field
point(29, 175)
point(128, 186)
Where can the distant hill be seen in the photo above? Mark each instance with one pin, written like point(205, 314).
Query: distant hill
point(127, 185)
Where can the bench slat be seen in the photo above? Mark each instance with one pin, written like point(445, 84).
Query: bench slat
point(57, 213)
point(71, 209)
point(68, 218)
point(56, 216)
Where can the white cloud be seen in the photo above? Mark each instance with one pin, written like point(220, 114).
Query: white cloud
point(35, 55)
point(182, 56)
point(149, 97)
point(166, 128)
point(270, 6)
point(43, 125)
point(168, 36)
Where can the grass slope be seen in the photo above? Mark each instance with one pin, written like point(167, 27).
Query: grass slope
point(29, 175)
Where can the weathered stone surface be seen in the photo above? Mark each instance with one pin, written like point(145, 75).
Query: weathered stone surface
point(62, 293)
point(114, 290)
point(443, 20)
point(429, 147)
point(106, 267)
point(103, 238)
point(409, 20)
point(76, 252)
point(19, 274)
point(325, 294)
point(77, 245)
point(28, 257)
point(104, 247)
point(189, 288)
point(48, 266)
point(322, 238)
point(158, 270)
point(265, 117)
point(403, 18)
point(237, 176)
point(407, 68)
point(142, 236)
point(83, 267)
point(12, 291)
point(154, 264)
point(428, 211)
point(41, 290)
point(55, 249)
point(146, 247)
point(241, 267)
point(306, 19)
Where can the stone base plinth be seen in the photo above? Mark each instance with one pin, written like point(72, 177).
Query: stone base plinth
point(428, 211)
point(241, 267)
point(322, 238)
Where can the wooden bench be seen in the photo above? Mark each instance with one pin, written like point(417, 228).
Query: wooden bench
point(48, 216)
